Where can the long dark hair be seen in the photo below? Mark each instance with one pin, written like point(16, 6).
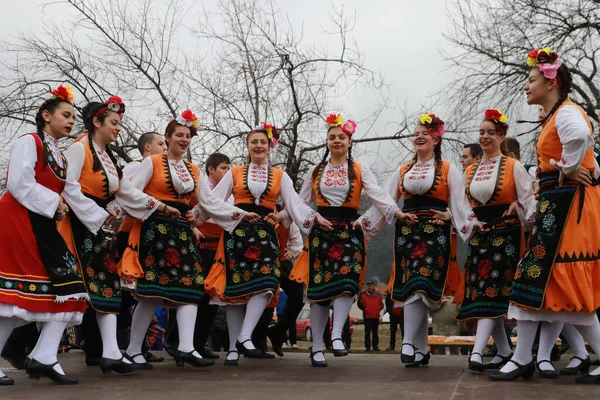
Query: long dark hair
point(323, 162)
point(89, 113)
point(437, 155)
point(49, 105)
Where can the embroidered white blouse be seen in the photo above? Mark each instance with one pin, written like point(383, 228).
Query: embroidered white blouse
point(300, 213)
point(209, 205)
point(36, 198)
point(419, 180)
point(334, 187)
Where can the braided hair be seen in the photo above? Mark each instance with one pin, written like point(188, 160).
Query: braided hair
point(49, 105)
point(89, 113)
point(321, 165)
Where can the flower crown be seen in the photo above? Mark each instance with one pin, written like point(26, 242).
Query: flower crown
point(115, 104)
point(546, 61)
point(271, 131)
point(186, 118)
point(433, 123)
point(335, 120)
point(63, 92)
point(496, 116)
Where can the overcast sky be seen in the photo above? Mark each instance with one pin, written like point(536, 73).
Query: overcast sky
point(400, 39)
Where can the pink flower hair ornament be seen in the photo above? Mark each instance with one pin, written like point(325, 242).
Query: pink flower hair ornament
point(335, 120)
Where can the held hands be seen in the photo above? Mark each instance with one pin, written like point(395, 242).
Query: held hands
point(407, 218)
point(62, 209)
point(274, 219)
point(190, 217)
point(580, 175)
point(440, 217)
point(197, 235)
point(287, 254)
point(171, 212)
point(480, 227)
point(252, 218)
point(512, 210)
point(323, 223)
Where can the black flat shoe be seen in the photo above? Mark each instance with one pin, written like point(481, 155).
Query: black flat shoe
point(276, 341)
point(499, 364)
point(108, 365)
point(422, 362)
point(151, 358)
point(339, 353)
point(583, 367)
point(525, 371)
point(181, 358)
point(475, 365)
point(92, 361)
point(208, 353)
point(545, 373)
point(588, 379)
point(249, 353)
point(267, 355)
point(35, 369)
point(232, 362)
point(317, 363)
point(406, 359)
point(144, 365)
point(6, 381)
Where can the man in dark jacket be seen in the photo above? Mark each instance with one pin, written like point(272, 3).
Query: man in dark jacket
point(371, 303)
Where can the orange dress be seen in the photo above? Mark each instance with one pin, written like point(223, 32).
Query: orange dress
point(560, 271)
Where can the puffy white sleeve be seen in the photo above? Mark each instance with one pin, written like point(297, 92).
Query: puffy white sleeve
point(463, 217)
point(574, 134)
point(212, 206)
point(134, 201)
point(306, 194)
point(379, 197)
point(138, 174)
point(296, 207)
point(21, 181)
point(87, 211)
point(372, 221)
point(295, 241)
point(526, 203)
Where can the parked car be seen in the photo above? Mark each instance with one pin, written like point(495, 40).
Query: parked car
point(304, 330)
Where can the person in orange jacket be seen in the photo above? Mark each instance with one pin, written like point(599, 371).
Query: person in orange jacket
point(371, 303)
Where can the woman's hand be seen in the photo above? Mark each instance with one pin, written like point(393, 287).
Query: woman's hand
point(355, 225)
point(197, 235)
point(274, 219)
point(440, 217)
point(287, 254)
point(171, 212)
point(512, 210)
point(62, 209)
point(252, 218)
point(323, 223)
point(580, 175)
point(190, 217)
point(407, 218)
point(480, 227)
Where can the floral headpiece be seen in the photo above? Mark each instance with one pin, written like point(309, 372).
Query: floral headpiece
point(115, 104)
point(496, 116)
point(64, 93)
point(271, 131)
point(335, 120)
point(433, 123)
point(186, 118)
point(547, 62)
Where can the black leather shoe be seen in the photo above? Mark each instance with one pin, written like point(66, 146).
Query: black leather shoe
point(476, 365)
point(6, 381)
point(181, 358)
point(267, 355)
point(317, 363)
point(249, 353)
point(15, 358)
point(547, 373)
point(35, 369)
point(422, 362)
point(583, 367)
point(339, 353)
point(232, 362)
point(405, 358)
point(588, 379)
point(107, 365)
point(499, 364)
point(92, 361)
point(276, 341)
point(525, 371)
point(144, 365)
point(208, 353)
point(151, 358)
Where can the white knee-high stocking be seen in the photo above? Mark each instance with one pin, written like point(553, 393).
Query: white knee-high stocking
point(500, 340)
point(414, 314)
point(235, 319)
point(319, 316)
point(548, 335)
point(7, 324)
point(186, 322)
point(142, 317)
point(254, 310)
point(108, 332)
point(485, 327)
point(591, 334)
point(526, 331)
point(48, 342)
point(341, 310)
point(577, 344)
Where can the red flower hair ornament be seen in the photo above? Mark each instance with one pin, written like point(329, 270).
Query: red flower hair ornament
point(546, 61)
point(270, 130)
point(335, 120)
point(496, 116)
point(63, 92)
point(114, 104)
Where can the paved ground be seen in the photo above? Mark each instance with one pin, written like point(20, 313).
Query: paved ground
point(358, 376)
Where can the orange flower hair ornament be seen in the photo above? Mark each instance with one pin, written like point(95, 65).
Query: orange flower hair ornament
point(496, 116)
point(115, 104)
point(63, 92)
point(270, 130)
point(186, 118)
point(546, 61)
point(335, 120)
point(433, 124)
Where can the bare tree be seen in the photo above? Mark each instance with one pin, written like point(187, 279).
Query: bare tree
point(493, 39)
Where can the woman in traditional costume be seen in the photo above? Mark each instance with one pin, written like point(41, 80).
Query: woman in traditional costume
point(425, 265)
point(161, 254)
point(501, 193)
point(332, 266)
point(93, 166)
point(558, 279)
point(247, 268)
point(39, 280)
